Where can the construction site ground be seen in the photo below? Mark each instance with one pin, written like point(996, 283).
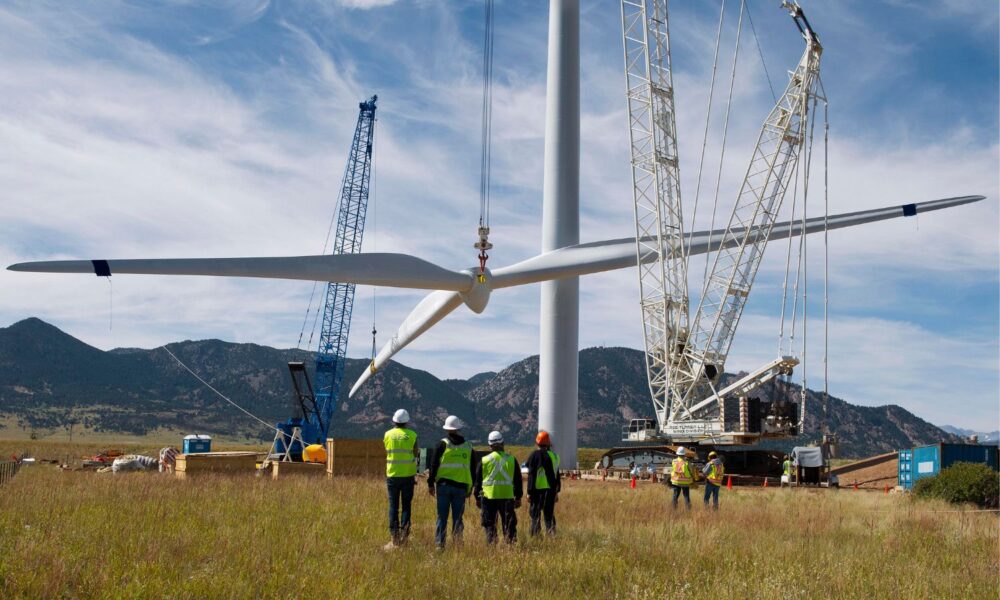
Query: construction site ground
point(82, 534)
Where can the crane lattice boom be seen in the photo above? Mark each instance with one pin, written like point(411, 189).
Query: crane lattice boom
point(656, 187)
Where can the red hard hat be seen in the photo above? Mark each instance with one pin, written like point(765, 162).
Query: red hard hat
point(542, 439)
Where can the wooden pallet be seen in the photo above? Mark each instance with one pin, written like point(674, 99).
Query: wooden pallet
point(232, 463)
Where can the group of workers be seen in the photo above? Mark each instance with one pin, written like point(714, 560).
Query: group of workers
point(456, 473)
point(682, 477)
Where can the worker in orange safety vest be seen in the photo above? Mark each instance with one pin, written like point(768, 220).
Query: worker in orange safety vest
point(681, 477)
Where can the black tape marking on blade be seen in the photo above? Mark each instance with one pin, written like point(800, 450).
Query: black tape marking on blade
point(909, 210)
point(101, 268)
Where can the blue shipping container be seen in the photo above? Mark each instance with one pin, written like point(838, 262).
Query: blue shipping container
point(905, 468)
point(194, 444)
point(927, 461)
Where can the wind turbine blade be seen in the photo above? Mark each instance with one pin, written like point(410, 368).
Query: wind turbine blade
point(381, 269)
point(432, 308)
point(608, 255)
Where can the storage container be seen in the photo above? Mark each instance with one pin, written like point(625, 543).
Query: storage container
point(927, 461)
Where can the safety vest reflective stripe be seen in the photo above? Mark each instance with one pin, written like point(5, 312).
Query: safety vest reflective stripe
point(455, 463)
point(399, 460)
point(541, 480)
point(716, 472)
point(680, 474)
point(498, 476)
point(787, 466)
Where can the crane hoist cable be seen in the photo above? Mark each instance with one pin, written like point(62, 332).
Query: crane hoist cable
point(760, 52)
point(725, 131)
point(373, 201)
point(708, 119)
point(826, 262)
point(315, 286)
point(487, 133)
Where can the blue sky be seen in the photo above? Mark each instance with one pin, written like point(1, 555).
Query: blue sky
point(129, 129)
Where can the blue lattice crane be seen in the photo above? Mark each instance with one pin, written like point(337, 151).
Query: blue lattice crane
point(315, 405)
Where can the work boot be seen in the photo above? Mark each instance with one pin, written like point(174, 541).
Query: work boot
point(392, 545)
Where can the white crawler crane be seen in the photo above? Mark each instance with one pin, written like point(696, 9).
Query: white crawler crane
point(685, 364)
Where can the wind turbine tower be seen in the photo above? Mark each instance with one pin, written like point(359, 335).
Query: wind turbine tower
point(558, 356)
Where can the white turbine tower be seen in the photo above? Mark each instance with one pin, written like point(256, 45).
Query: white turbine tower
point(562, 259)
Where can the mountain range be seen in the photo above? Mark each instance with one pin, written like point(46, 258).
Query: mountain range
point(985, 437)
point(49, 380)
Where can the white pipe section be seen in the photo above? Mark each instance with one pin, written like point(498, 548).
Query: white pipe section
point(558, 369)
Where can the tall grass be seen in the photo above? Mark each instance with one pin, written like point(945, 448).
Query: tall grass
point(144, 535)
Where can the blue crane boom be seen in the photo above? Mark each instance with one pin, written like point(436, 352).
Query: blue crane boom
point(316, 404)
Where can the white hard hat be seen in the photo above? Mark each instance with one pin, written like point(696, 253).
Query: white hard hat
point(681, 451)
point(402, 417)
point(453, 423)
point(495, 438)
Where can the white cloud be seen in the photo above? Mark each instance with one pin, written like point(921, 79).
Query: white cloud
point(365, 4)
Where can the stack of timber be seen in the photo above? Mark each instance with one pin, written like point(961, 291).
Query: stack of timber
point(217, 462)
point(874, 472)
point(299, 468)
point(355, 457)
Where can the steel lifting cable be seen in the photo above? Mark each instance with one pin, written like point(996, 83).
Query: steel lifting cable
point(805, 267)
point(725, 135)
point(760, 52)
point(788, 264)
point(487, 119)
point(223, 396)
point(826, 261)
point(373, 195)
point(312, 294)
point(487, 134)
point(708, 118)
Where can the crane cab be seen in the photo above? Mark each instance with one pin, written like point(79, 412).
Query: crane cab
point(640, 430)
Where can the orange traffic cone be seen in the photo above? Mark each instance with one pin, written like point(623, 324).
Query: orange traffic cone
point(765, 482)
point(632, 485)
point(887, 490)
point(729, 484)
point(855, 487)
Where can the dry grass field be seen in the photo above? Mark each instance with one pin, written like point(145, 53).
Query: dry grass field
point(88, 535)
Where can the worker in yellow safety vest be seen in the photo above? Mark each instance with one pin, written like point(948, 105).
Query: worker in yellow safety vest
point(713, 472)
point(681, 477)
point(787, 469)
point(498, 490)
point(401, 455)
point(450, 479)
point(544, 484)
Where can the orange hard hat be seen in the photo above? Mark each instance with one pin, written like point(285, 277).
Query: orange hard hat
point(542, 439)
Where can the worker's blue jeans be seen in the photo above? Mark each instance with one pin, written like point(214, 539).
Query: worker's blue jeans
point(712, 491)
point(449, 498)
point(682, 489)
point(400, 491)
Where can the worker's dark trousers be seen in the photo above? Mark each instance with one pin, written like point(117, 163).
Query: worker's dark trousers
point(682, 489)
point(542, 502)
point(400, 491)
point(450, 498)
point(712, 492)
point(508, 520)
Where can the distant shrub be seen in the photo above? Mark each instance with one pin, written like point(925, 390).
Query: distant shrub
point(962, 482)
